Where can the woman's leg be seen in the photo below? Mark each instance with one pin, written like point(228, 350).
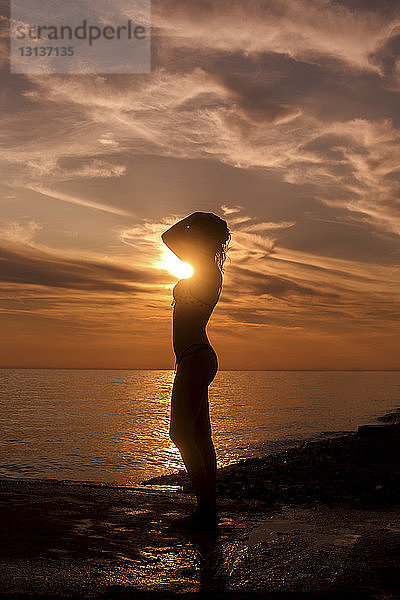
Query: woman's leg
point(188, 413)
point(203, 439)
point(185, 408)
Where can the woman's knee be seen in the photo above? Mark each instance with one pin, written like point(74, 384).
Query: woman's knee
point(180, 437)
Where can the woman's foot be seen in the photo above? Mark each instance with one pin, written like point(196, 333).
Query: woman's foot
point(205, 515)
point(198, 520)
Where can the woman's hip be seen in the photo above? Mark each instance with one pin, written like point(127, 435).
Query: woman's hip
point(199, 361)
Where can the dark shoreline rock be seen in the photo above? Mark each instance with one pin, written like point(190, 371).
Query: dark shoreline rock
point(393, 417)
point(356, 468)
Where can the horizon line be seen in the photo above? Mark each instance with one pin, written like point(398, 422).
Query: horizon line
point(171, 369)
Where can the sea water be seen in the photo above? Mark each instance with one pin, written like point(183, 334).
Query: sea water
point(112, 425)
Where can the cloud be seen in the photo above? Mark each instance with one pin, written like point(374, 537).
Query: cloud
point(91, 168)
point(15, 232)
point(254, 102)
point(272, 285)
point(269, 285)
point(387, 57)
point(26, 262)
point(292, 103)
point(61, 273)
point(49, 193)
point(230, 210)
point(301, 29)
point(267, 226)
point(350, 160)
point(287, 100)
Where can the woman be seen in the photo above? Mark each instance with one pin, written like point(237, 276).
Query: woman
point(200, 239)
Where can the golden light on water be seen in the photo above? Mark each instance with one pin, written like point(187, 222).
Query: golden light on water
point(176, 267)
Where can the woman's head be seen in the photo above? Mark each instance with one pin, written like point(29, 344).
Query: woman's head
point(213, 233)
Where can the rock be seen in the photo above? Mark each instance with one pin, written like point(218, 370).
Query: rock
point(370, 430)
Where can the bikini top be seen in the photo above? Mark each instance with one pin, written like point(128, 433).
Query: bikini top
point(183, 295)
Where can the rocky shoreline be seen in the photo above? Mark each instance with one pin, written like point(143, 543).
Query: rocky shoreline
point(357, 468)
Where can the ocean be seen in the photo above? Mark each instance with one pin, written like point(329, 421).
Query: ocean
point(112, 425)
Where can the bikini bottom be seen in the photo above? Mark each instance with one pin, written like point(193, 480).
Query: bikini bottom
point(196, 349)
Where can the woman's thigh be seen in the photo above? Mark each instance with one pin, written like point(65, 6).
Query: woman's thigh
point(202, 427)
point(189, 403)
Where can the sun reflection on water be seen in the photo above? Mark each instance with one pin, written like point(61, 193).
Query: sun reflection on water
point(113, 426)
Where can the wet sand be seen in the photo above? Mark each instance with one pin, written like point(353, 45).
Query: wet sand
point(320, 520)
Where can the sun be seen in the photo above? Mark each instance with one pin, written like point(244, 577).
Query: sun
point(176, 267)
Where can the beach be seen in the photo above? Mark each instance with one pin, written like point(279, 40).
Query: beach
point(318, 520)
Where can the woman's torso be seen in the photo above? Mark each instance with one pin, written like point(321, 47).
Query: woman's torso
point(194, 302)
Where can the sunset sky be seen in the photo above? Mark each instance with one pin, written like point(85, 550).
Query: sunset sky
point(283, 118)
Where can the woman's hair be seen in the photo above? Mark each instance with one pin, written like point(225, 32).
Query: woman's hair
point(222, 248)
point(216, 230)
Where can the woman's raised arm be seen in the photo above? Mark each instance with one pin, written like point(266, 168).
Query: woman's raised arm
point(176, 236)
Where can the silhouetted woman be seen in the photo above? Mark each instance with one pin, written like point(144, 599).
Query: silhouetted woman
point(200, 239)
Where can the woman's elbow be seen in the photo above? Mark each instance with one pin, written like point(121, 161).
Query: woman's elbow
point(166, 239)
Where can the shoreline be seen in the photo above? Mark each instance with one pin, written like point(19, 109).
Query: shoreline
point(283, 443)
point(319, 520)
point(301, 454)
point(355, 467)
point(179, 479)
